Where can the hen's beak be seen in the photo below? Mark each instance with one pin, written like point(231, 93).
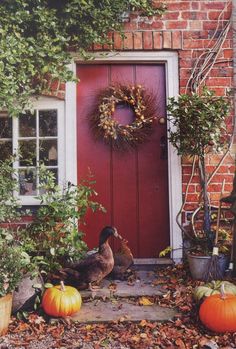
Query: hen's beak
point(116, 234)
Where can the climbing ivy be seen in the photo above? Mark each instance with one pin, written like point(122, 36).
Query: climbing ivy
point(37, 36)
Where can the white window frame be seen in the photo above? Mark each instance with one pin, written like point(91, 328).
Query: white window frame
point(44, 103)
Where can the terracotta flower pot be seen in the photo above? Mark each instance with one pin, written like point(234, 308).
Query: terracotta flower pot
point(5, 311)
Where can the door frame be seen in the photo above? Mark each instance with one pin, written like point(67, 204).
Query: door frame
point(170, 60)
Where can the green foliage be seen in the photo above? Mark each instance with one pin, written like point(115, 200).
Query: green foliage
point(36, 37)
point(13, 258)
point(13, 262)
point(9, 205)
point(199, 122)
point(55, 238)
point(166, 251)
point(199, 127)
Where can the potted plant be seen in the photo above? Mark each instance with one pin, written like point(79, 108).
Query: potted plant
point(199, 129)
point(13, 262)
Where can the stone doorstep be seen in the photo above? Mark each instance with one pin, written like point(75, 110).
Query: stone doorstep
point(141, 287)
point(105, 308)
point(153, 262)
point(98, 311)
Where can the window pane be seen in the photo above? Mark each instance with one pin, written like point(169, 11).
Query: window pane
point(47, 123)
point(48, 152)
point(43, 183)
point(5, 150)
point(27, 150)
point(55, 172)
point(27, 182)
point(5, 126)
point(27, 124)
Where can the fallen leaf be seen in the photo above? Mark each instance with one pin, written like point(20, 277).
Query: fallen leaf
point(135, 338)
point(39, 320)
point(112, 287)
point(145, 301)
point(211, 345)
point(180, 343)
point(202, 341)
point(178, 322)
point(23, 326)
point(143, 335)
point(143, 323)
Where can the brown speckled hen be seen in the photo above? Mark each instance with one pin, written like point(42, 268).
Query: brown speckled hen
point(123, 259)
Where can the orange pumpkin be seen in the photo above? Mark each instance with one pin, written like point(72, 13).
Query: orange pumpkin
point(218, 312)
point(61, 300)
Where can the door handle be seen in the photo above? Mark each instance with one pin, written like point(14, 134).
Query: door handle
point(163, 148)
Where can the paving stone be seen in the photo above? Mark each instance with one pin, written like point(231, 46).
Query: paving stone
point(107, 306)
point(102, 311)
point(143, 286)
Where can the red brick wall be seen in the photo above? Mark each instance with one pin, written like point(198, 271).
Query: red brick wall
point(55, 89)
point(188, 28)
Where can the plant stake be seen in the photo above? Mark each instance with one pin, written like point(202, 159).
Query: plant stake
point(229, 271)
point(231, 199)
point(206, 204)
point(214, 271)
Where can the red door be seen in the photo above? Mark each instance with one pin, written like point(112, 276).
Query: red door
point(132, 185)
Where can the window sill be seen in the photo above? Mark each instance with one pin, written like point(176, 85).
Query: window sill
point(28, 201)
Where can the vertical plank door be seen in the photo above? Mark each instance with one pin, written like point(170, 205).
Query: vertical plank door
point(132, 185)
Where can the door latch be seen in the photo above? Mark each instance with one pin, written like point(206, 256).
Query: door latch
point(163, 148)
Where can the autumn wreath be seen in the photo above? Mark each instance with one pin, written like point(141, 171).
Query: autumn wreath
point(107, 127)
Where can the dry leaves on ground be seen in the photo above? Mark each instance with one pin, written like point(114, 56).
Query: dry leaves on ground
point(184, 332)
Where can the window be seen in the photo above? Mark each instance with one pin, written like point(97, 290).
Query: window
point(38, 136)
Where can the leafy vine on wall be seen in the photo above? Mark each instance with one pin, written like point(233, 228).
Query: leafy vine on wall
point(37, 37)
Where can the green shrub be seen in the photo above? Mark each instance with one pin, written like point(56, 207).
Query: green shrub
point(199, 122)
point(55, 237)
point(9, 204)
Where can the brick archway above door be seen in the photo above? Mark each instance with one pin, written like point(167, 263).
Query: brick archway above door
point(144, 40)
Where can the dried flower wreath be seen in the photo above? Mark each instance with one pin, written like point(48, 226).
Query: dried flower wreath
point(107, 127)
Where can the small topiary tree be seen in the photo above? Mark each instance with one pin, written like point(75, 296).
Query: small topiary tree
point(199, 128)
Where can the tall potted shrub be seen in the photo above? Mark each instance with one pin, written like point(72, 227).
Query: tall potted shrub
point(199, 129)
point(14, 261)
